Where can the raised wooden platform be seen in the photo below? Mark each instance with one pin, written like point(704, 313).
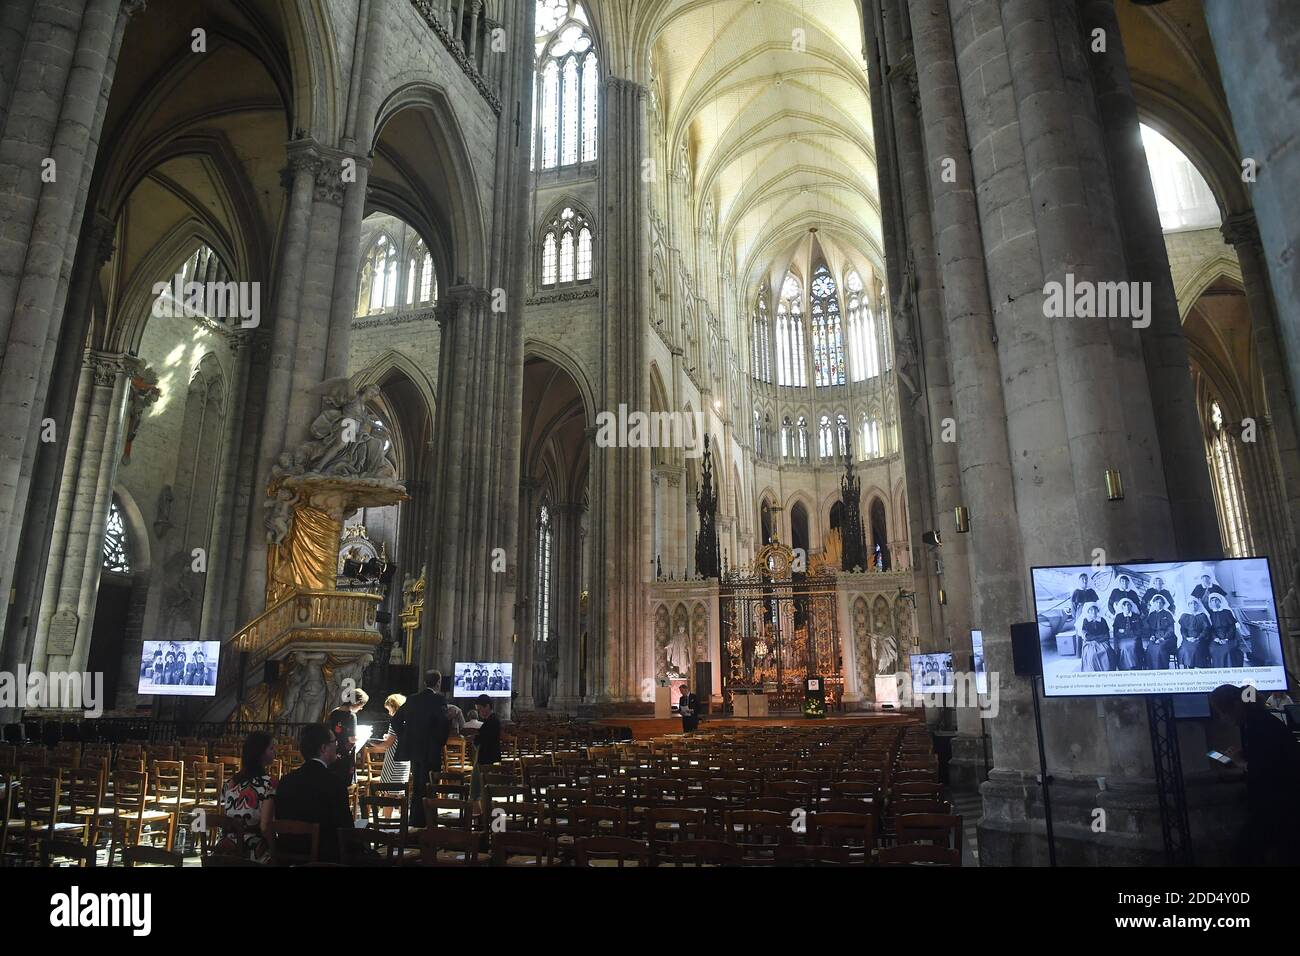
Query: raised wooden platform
point(643, 728)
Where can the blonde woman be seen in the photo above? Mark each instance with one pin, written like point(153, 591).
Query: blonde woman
point(394, 771)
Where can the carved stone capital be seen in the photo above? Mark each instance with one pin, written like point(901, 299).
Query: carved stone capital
point(1242, 230)
point(108, 366)
point(330, 186)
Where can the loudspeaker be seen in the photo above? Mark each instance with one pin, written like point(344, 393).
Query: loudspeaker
point(1025, 654)
point(403, 679)
point(703, 684)
point(270, 672)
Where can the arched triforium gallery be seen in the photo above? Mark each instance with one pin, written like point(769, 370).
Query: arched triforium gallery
point(296, 293)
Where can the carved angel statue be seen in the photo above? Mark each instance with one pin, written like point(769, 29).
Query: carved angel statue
point(348, 440)
point(884, 651)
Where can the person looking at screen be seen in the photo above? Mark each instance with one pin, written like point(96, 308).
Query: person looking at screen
point(1225, 643)
point(1206, 588)
point(1122, 591)
point(471, 719)
point(1127, 634)
point(1096, 655)
point(249, 796)
point(315, 793)
point(455, 721)
point(487, 751)
point(1161, 642)
point(1270, 756)
point(1156, 590)
point(1194, 628)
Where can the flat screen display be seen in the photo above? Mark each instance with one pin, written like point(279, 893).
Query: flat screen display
point(179, 668)
point(476, 677)
point(1173, 627)
point(932, 673)
point(977, 662)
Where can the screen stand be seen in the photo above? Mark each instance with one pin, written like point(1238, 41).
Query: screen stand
point(1174, 826)
point(1043, 778)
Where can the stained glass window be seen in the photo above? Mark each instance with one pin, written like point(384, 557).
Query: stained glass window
point(565, 115)
point(567, 249)
point(826, 440)
point(762, 341)
point(802, 436)
point(790, 342)
point(864, 357)
point(827, 330)
point(116, 554)
point(842, 435)
point(377, 289)
point(543, 573)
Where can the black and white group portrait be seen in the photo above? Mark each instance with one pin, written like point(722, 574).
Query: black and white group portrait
point(1176, 627)
point(181, 668)
point(493, 679)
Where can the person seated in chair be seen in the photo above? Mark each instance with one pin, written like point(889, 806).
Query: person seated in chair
point(315, 794)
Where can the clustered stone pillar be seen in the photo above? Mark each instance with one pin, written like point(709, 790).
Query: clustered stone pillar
point(46, 159)
point(620, 476)
point(1255, 51)
point(1013, 193)
point(76, 555)
point(1278, 434)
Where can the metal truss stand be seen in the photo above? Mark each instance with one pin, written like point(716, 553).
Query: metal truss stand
point(1174, 827)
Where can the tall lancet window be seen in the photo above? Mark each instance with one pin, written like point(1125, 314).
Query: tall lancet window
point(566, 252)
point(565, 114)
point(841, 435)
point(826, 440)
point(801, 439)
point(1228, 489)
point(542, 623)
point(827, 330)
point(864, 357)
point(791, 355)
point(762, 342)
point(377, 289)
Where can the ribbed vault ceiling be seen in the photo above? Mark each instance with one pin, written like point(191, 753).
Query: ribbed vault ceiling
point(777, 124)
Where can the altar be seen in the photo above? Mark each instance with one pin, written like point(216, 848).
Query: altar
point(748, 702)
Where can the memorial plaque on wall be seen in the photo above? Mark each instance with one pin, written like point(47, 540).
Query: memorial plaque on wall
point(63, 632)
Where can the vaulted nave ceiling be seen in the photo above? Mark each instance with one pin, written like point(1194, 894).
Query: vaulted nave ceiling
point(770, 100)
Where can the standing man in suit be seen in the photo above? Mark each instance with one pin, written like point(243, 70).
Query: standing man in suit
point(688, 706)
point(314, 793)
point(422, 728)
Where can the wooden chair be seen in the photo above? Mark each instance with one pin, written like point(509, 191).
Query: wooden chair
point(797, 854)
point(699, 853)
point(757, 833)
point(131, 811)
point(82, 811)
point(777, 804)
point(294, 842)
point(665, 826)
point(65, 847)
point(940, 829)
point(444, 846)
point(40, 790)
point(611, 851)
point(169, 792)
point(855, 833)
point(591, 820)
point(145, 855)
point(915, 791)
point(220, 835)
point(522, 848)
point(454, 754)
point(367, 846)
point(449, 812)
point(207, 780)
point(918, 854)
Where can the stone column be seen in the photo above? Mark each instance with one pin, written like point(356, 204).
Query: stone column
point(618, 481)
point(357, 141)
point(1242, 233)
point(96, 248)
point(71, 47)
point(72, 574)
point(922, 364)
point(224, 563)
point(1164, 347)
point(298, 180)
point(1258, 69)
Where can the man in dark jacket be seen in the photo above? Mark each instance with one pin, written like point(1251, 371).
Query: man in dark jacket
point(688, 706)
point(315, 794)
point(487, 751)
point(422, 727)
point(1270, 756)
